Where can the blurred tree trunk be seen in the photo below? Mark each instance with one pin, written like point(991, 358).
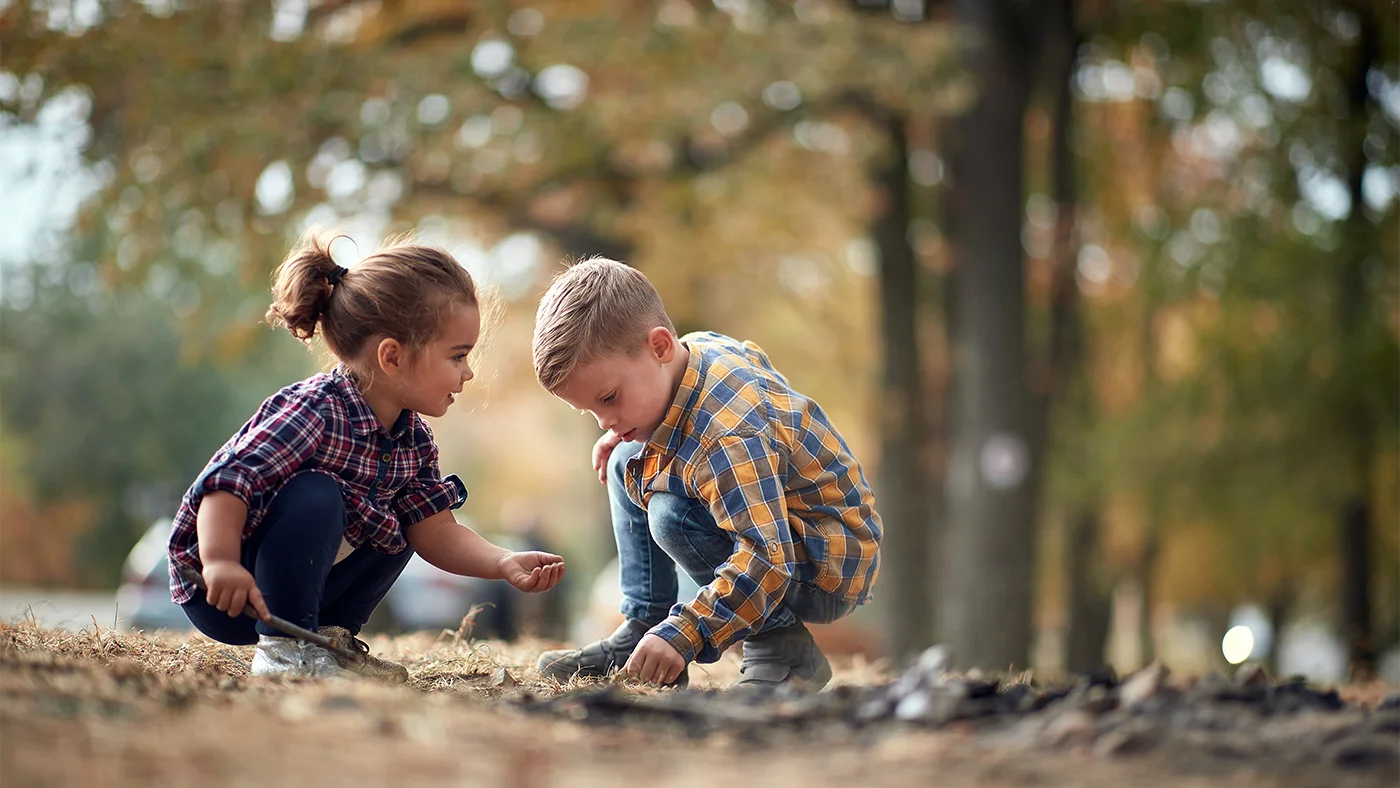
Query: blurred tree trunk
point(1356, 588)
point(903, 480)
point(1280, 608)
point(1061, 383)
point(1147, 578)
point(990, 547)
point(1356, 420)
point(1216, 616)
point(1090, 598)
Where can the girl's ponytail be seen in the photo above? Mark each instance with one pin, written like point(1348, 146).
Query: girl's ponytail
point(302, 287)
point(403, 291)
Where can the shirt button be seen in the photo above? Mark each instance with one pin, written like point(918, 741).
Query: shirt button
point(387, 456)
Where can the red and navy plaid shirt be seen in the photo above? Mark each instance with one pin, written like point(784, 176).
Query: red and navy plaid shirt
point(323, 425)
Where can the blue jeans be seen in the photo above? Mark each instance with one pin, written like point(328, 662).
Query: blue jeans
point(677, 531)
point(291, 555)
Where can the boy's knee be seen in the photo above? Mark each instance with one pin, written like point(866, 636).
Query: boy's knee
point(667, 516)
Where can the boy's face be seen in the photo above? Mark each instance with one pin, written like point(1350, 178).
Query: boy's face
point(628, 394)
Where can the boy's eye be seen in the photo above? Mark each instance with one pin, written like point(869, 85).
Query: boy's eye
point(460, 357)
point(608, 399)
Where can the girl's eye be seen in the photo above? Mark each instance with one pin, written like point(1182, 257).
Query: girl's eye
point(608, 399)
point(460, 357)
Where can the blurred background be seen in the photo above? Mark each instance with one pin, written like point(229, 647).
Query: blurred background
point(1105, 295)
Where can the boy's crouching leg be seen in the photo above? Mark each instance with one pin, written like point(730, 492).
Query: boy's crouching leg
point(788, 656)
point(597, 660)
point(784, 657)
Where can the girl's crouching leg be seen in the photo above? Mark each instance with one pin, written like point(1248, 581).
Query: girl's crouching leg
point(217, 625)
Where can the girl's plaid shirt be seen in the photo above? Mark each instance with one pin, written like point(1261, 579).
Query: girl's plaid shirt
point(322, 424)
point(771, 469)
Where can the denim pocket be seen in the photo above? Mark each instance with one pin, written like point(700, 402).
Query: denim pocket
point(813, 605)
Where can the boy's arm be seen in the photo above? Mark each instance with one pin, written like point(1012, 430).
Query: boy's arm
point(455, 548)
point(741, 481)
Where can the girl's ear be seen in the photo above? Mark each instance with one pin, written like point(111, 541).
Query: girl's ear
point(391, 356)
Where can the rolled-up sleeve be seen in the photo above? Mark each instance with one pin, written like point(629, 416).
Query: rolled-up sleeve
point(270, 447)
point(740, 480)
point(427, 493)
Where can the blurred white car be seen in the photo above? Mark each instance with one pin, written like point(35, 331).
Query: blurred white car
point(602, 616)
point(143, 599)
point(424, 597)
point(428, 598)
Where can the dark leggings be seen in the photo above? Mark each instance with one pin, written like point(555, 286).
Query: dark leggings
point(291, 555)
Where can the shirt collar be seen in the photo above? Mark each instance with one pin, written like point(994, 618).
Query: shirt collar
point(667, 438)
point(362, 418)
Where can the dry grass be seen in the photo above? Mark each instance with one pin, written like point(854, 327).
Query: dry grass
point(448, 662)
point(101, 707)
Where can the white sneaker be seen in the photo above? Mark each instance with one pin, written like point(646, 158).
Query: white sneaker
point(277, 656)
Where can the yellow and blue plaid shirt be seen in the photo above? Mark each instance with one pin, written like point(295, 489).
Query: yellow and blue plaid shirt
point(773, 471)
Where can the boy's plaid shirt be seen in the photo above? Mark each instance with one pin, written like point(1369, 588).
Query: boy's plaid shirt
point(322, 424)
point(774, 472)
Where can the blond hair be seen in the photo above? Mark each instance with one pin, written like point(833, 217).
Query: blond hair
point(593, 308)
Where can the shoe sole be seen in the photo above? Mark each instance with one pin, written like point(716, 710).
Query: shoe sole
point(820, 677)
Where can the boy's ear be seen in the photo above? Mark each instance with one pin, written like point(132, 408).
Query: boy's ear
point(392, 356)
point(662, 343)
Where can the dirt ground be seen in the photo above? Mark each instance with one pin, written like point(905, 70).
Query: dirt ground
point(105, 708)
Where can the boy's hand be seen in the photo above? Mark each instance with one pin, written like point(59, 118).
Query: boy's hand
point(655, 661)
point(532, 571)
point(602, 450)
point(230, 587)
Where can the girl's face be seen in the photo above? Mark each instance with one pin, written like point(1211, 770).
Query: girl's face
point(440, 369)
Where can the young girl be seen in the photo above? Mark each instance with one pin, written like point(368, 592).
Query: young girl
point(313, 508)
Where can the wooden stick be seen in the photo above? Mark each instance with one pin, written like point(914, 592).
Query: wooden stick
point(282, 624)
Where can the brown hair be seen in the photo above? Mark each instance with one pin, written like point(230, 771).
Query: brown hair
point(402, 291)
point(592, 308)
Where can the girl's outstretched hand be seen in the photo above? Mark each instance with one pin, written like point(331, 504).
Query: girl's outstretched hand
point(532, 571)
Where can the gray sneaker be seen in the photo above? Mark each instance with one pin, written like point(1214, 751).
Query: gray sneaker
point(278, 656)
point(597, 660)
point(784, 657)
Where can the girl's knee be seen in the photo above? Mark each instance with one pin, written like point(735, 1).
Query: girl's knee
point(217, 625)
point(313, 492)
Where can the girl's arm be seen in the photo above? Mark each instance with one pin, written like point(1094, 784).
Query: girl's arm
point(219, 526)
point(455, 548)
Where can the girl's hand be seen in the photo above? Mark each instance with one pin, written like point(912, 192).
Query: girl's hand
point(532, 571)
point(655, 661)
point(602, 450)
point(230, 588)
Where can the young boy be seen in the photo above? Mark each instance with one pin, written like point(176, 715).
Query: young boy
point(713, 464)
